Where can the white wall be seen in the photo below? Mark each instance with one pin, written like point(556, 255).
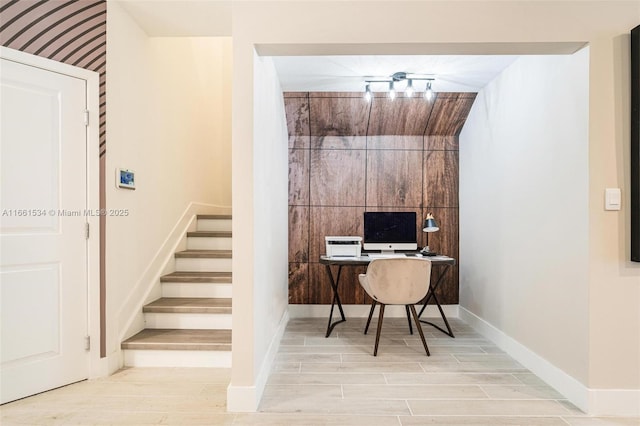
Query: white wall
point(166, 100)
point(270, 197)
point(263, 283)
point(524, 218)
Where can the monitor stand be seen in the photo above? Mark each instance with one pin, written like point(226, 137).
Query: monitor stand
point(387, 251)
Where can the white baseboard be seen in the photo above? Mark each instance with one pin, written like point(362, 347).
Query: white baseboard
point(614, 402)
point(242, 399)
point(100, 368)
point(568, 386)
point(362, 311)
point(595, 402)
point(114, 361)
point(270, 357)
point(245, 399)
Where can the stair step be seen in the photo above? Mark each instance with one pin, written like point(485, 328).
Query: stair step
point(176, 358)
point(189, 305)
point(209, 240)
point(203, 261)
point(197, 284)
point(197, 277)
point(209, 234)
point(214, 216)
point(215, 290)
point(170, 339)
point(203, 254)
point(188, 321)
point(214, 223)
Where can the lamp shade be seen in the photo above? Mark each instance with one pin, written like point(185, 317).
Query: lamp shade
point(430, 224)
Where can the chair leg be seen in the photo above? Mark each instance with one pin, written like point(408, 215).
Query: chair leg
point(406, 307)
point(419, 327)
point(373, 306)
point(380, 317)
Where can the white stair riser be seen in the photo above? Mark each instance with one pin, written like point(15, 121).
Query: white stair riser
point(191, 264)
point(208, 243)
point(188, 321)
point(196, 290)
point(214, 225)
point(169, 358)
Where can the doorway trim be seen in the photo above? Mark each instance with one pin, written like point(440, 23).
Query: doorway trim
point(97, 366)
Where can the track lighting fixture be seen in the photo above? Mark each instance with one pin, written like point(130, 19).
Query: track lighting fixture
point(397, 77)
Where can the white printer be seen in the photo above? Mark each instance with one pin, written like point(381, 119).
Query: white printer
point(343, 246)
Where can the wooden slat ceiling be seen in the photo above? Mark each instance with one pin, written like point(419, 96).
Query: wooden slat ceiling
point(349, 114)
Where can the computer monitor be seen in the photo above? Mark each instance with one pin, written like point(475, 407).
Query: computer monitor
point(389, 231)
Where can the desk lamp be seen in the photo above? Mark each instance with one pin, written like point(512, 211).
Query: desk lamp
point(430, 226)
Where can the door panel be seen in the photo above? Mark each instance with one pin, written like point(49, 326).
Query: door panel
point(43, 257)
point(21, 284)
point(37, 148)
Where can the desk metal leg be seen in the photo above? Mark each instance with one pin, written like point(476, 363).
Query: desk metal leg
point(432, 293)
point(336, 299)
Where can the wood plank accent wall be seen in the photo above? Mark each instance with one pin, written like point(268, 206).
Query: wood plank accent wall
point(348, 156)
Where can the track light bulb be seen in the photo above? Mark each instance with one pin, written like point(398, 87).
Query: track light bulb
point(367, 93)
point(428, 94)
point(392, 91)
point(409, 90)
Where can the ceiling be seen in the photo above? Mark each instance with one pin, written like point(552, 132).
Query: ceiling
point(343, 73)
point(180, 18)
point(452, 73)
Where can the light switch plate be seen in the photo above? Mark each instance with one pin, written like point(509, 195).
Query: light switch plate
point(612, 199)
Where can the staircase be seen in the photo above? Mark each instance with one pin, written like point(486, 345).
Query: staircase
point(190, 325)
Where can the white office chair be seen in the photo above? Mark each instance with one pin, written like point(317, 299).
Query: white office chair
point(396, 281)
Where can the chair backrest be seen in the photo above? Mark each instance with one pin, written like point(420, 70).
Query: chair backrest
point(399, 281)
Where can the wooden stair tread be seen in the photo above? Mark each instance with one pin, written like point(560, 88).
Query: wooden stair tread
point(197, 277)
point(204, 254)
point(209, 234)
point(189, 305)
point(214, 216)
point(172, 339)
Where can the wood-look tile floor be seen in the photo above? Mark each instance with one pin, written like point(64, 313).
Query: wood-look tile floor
point(327, 381)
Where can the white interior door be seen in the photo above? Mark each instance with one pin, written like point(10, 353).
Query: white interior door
point(43, 257)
